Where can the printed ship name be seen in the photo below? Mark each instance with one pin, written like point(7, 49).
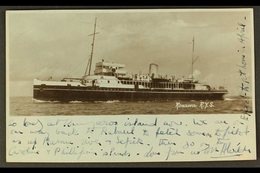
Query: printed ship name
point(111, 82)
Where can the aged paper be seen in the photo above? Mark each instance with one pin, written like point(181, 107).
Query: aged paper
point(131, 138)
point(130, 85)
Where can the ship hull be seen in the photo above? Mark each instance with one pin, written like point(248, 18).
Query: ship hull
point(65, 94)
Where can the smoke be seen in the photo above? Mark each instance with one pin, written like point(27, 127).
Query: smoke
point(196, 74)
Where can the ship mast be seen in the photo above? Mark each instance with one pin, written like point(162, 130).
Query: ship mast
point(192, 56)
point(193, 60)
point(88, 69)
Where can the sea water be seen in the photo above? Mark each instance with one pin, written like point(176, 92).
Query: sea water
point(28, 106)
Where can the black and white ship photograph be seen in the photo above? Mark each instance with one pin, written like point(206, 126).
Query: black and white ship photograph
point(123, 62)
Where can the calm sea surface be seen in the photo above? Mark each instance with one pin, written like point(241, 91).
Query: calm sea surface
point(28, 106)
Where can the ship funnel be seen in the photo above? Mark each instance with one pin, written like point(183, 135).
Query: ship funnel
point(153, 69)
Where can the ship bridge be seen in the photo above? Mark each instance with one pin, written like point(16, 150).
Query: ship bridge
point(109, 69)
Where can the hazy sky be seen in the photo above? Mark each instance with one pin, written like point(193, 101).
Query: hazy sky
point(41, 44)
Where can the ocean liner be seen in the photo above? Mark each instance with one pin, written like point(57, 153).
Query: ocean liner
point(111, 82)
